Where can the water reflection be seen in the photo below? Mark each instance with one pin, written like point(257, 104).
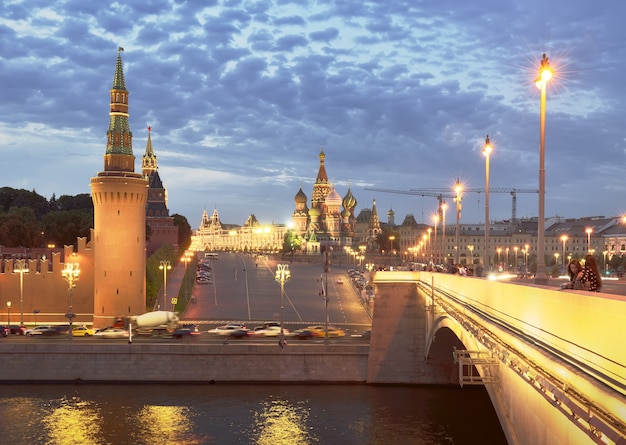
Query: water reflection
point(279, 422)
point(244, 414)
point(73, 421)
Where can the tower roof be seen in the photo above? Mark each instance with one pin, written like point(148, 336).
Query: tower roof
point(118, 76)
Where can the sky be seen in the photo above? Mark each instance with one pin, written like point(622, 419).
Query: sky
point(400, 95)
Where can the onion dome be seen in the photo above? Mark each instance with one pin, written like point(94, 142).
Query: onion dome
point(349, 201)
point(314, 212)
point(333, 198)
point(345, 213)
point(300, 197)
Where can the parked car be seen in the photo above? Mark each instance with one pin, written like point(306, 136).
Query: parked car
point(83, 331)
point(40, 330)
point(112, 333)
point(4, 331)
point(238, 333)
point(186, 330)
point(339, 281)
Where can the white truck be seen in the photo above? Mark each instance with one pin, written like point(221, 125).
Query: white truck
point(150, 323)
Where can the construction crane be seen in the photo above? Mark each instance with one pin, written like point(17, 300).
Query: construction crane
point(512, 191)
point(440, 193)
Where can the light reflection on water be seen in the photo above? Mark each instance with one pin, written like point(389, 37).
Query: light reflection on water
point(244, 414)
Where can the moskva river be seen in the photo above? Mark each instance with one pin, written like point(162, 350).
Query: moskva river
point(245, 414)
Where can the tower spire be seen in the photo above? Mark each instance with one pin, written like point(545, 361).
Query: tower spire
point(119, 152)
point(149, 159)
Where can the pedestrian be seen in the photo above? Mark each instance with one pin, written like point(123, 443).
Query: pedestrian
point(575, 271)
point(590, 276)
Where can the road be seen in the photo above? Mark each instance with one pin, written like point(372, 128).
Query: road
point(244, 290)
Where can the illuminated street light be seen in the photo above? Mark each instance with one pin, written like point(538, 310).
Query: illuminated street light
point(588, 230)
point(8, 316)
point(71, 273)
point(436, 257)
point(564, 239)
point(164, 265)
point(444, 207)
point(515, 249)
point(458, 189)
point(282, 276)
point(545, 74)
point(487, 151)
point(499, 250)
point(20, 266)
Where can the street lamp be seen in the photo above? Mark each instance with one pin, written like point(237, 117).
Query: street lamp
point(458, 189)
point(391, 239)
point(563, 238)
point(164, 265)
point(471, 249)
point(556, 258)
point(430, 245)
point(20, 266)
point(588, 230)
point(8, 316)
point(507, 259)
point(71, 273)
point(282, 276)
point(487, 151)
point(526, 247)
point(436, 221)
point(499, 250)
point(444, 207)
point(515, 249)
point(545, 74)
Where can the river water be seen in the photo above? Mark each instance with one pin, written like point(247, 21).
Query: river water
point(245, 414)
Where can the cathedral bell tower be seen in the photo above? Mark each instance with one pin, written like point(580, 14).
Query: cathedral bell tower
point(119, 235)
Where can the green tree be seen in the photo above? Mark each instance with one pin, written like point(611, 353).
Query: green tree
point(62, 227)
point(19, 228)
point(184, 232)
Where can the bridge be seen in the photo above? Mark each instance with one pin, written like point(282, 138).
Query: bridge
point(552, 362)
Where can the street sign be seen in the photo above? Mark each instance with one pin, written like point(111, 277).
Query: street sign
point(174, 300)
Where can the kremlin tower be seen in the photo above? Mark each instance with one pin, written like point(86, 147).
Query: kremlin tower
point(119, 235)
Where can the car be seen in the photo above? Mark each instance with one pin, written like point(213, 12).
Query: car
point(303, 334)
point(186, 330)
point(339, 281)
point(269, 331)
point(237, 333)
point(40, 330)
point(16, 329)
point(365, 335)
point(83, 331)
point(112, 333)
point(227, 329)
point(4, 331)
point(320, 331)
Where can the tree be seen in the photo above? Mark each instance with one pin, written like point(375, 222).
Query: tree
point(19, 228)
point(63, 227)
point(184, 232)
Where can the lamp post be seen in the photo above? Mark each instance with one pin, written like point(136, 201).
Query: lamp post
point(471, 249)
point(604, 253)
point(564, 239)
point(487, 151)
point(436, 221)
point(515, 249)
point(556, 259)
point(507, 259)
point(282, 276)
point(71, 273)
point(545, 74)
point(164, 265)
point(8, 316)
point(391, 239)
point(20, 266)
point(458, 189)
point(430, 245)
point(499, 250)
point(588, 230)
point(526, 247)
point(444, 207)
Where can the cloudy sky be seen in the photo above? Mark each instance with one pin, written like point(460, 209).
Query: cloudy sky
point(242, 96)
